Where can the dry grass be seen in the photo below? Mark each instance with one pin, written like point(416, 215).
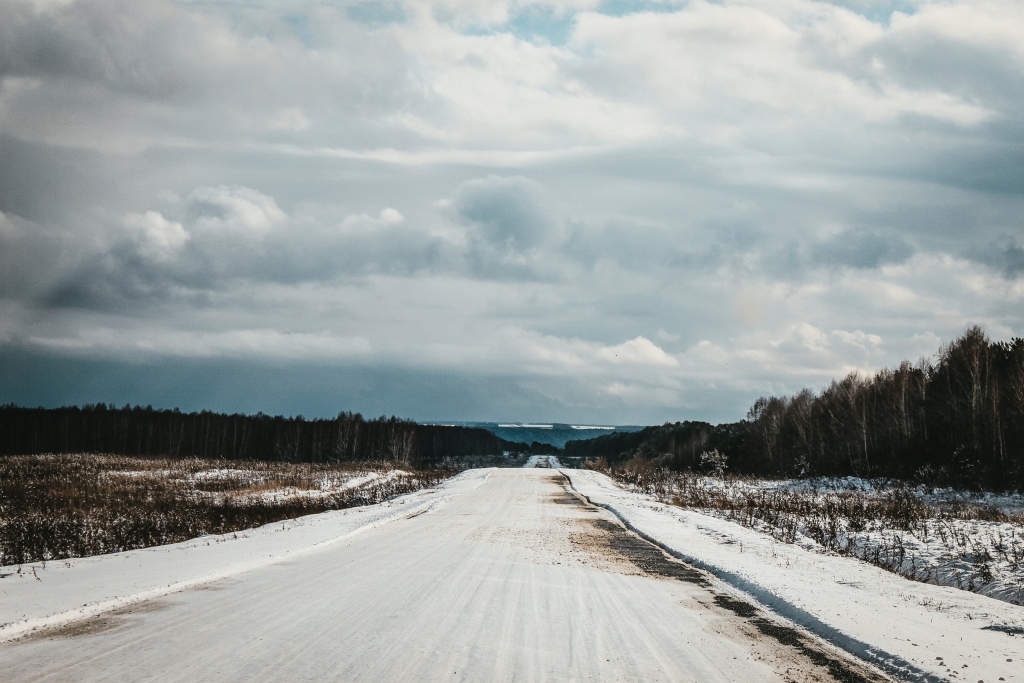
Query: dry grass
point(62, 506)
point(935, 538)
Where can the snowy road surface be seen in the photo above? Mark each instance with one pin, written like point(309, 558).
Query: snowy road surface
point(543, 461)
point(915, 631)
point(513, 579)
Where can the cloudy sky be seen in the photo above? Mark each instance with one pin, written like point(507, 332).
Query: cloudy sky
point(573, 210)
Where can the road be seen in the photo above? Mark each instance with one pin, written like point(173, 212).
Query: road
point(517, 580)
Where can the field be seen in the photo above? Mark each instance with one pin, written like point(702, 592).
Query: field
point(970, 540)
point(63, 506)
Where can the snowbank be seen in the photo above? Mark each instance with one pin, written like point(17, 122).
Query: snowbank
point(40, 595)
point(912, 630)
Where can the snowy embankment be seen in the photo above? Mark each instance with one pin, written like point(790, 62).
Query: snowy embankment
point(41, 595)
point(943, 632)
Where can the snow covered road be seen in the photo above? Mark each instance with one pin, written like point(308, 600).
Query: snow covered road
point(512, 577)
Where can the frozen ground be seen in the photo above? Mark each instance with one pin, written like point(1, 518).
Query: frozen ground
point(929, 632)
point(501, 575)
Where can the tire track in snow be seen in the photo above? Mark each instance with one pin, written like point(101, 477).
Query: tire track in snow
point(892, 665)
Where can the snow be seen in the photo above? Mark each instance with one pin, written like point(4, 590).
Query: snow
point(328, 488)
point(224, 473)
point(51, 593)
point(913, 630)
point(511, 579)
point(493, 584)
point(981, 556)
point(543, 461)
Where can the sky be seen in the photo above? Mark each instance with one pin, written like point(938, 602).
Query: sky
point(591, 211)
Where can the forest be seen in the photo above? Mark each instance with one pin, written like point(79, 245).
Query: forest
point(957, 420)
point(137, 431)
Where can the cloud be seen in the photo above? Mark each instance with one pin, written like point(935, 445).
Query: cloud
point(1005, 255)
point(507, 212)
point(33, 256)
point(861, 249)
point(639, 351)
point(158, 238)
point(239, 210)
point(247, 343)
point(612, 210)
point(512, 228)
point(218, 237)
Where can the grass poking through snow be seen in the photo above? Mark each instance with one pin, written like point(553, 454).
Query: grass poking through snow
point(973, 541)
point(62, 506)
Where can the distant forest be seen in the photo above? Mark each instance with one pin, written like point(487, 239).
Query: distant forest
point(957, 421)
point(138, 431)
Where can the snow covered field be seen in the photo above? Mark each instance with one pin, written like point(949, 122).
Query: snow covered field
point(941, 632)
point(972, 541)
point(56, 507)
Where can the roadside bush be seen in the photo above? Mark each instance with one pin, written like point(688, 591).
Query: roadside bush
point(61, 506)
point(887, 524)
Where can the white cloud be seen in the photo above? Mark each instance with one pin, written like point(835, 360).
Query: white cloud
point(241, 343)
point(386, 218)
point(639, 351)
point(158, 238)
point(390, 216)
point(234, 209)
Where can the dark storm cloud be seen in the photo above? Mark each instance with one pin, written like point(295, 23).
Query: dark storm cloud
point(30, 255)
point(143, 48)
point(513, 229)
point(41, 182)
point(216, 237)
point(862, 250)
point(1005, 255)
point(509, 212)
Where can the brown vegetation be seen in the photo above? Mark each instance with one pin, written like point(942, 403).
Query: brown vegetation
point(873, 525)
point(61, 506)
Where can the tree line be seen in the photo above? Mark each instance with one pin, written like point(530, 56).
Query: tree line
point(958, 420)
point(138, 431)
